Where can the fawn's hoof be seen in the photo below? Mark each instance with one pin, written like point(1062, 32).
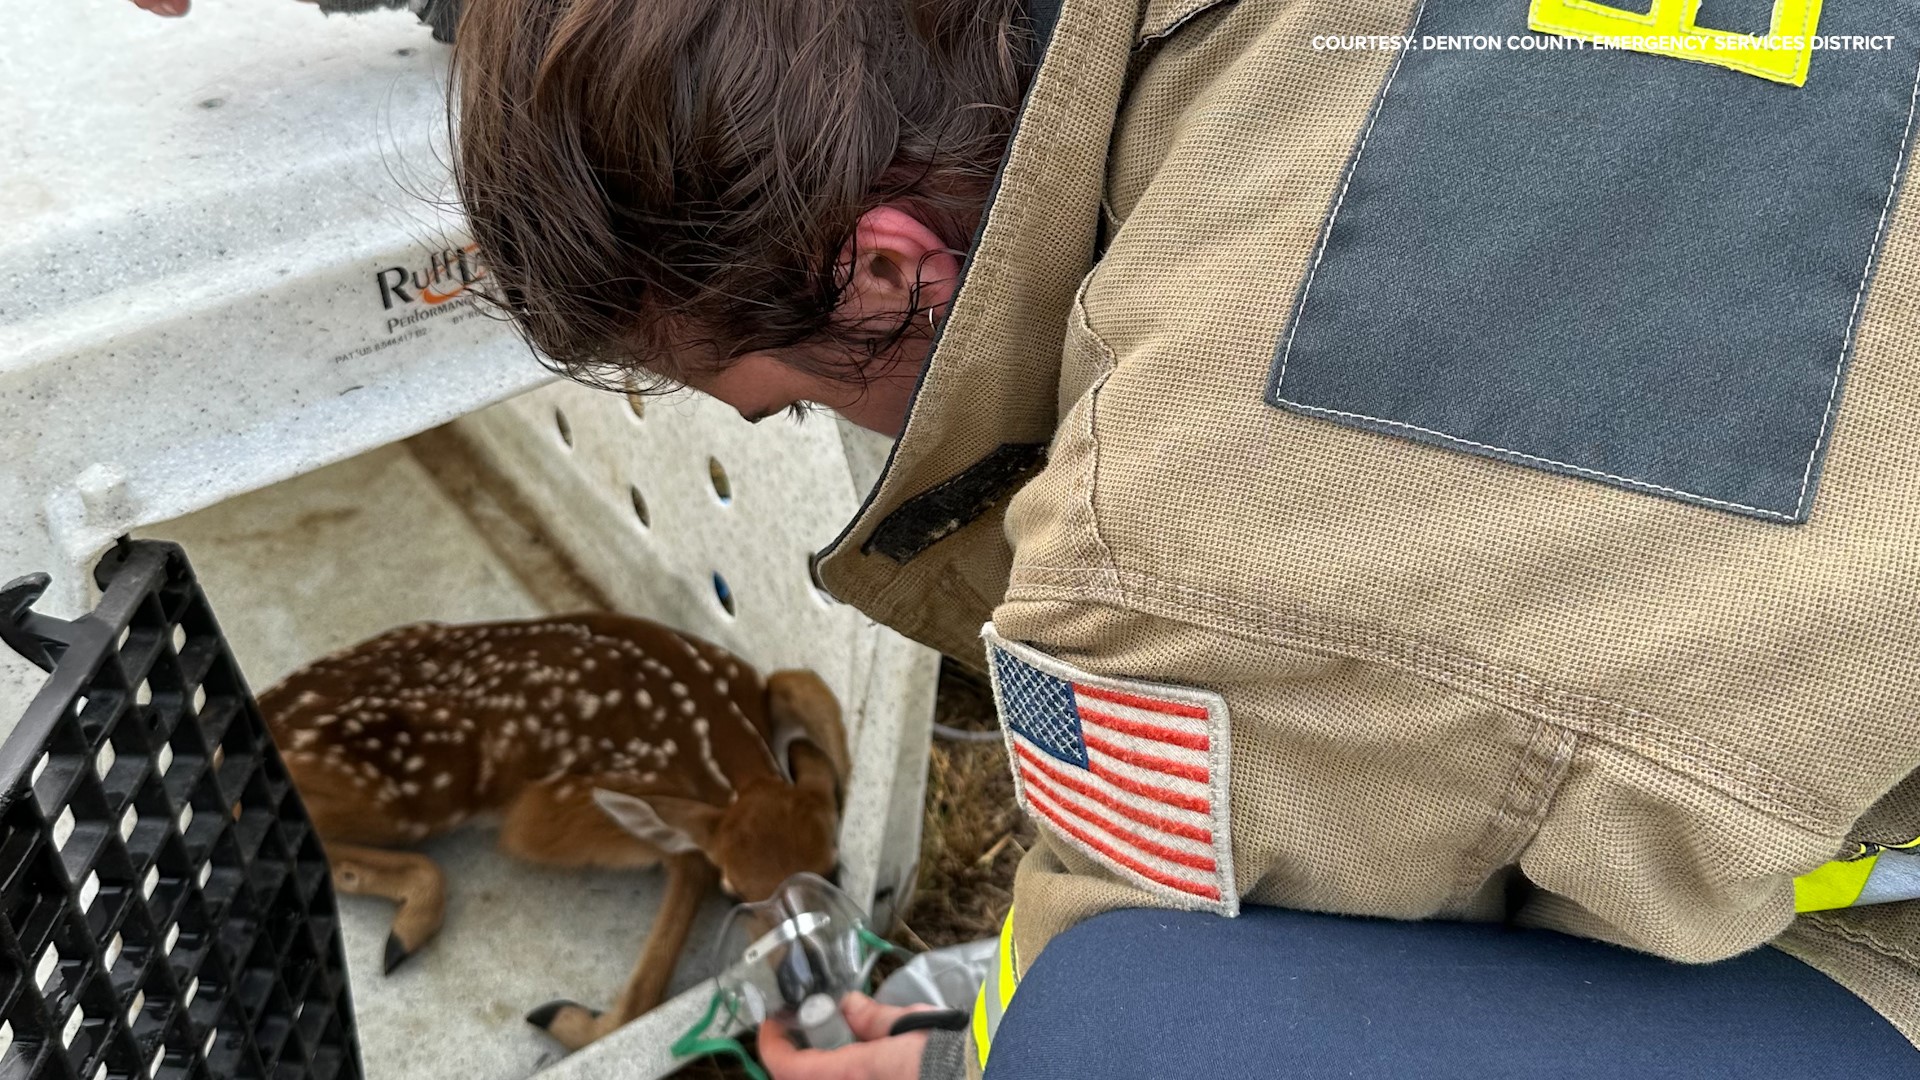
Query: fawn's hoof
point(396, 953)
point(542, 1017)
point(571, 1024)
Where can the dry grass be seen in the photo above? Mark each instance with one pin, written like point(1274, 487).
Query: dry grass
point(973, 836)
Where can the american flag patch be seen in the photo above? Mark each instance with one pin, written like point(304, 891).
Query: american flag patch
point(1132, 774)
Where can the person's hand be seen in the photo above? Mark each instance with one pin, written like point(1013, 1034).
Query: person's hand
point(877, 1056)
point(169, 8)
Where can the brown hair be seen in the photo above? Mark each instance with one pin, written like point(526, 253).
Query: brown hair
point(663, 185)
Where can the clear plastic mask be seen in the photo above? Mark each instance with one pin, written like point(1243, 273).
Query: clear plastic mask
point(807, 938)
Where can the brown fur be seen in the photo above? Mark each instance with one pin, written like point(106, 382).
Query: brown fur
point(414, 733)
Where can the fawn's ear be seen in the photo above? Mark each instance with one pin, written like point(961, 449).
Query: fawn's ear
point(808, 738)
point(676, 826)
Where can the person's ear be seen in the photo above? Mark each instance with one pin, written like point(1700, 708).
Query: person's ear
point(891, 253)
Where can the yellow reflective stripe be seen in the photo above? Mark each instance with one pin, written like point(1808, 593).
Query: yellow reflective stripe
point(1009, 979)
point(1667, 29)
point(982, 1038)
point(1835, 885)
point(1002, 979)
point(1839, 883)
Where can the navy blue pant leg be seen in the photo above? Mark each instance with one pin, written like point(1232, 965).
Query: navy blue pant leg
point(1277, 994)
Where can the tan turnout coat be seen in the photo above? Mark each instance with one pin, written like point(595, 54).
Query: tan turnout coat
point(1443, 670)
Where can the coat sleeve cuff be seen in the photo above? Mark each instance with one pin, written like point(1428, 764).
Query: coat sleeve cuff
point(945, 1057)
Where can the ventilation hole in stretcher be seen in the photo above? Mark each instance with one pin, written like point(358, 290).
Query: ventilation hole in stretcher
point(127, 822)
point(159, 1059)
point(638, 404)
point(89, 890)
point(63, 828)
point(125, 636)
point(164, 760)
point(75, 1021)
point(133, 1007)
point(179, 638)
point(43, 971)
point(199, 699)
point(151, 883)
point(640, 507)
point(206, 1050)
point(114, 949)
point(144, 695)
point(38, 768)
point(722, 592)
point(173, 938)
point(6, 1038)
point(79, 704)
point(186, 817)
point(103, 761)
point(192, 991)
point(722, 487)
point(560, 424)
point(101, 1072)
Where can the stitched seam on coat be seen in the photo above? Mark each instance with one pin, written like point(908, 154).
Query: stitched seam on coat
point(1828, 924)
point(1092, 476)
point(1634, 730)
point(1833, 391)
point(1145, 37)
point(1536, 778)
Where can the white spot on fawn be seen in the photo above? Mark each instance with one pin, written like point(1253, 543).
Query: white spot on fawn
point(443, 781)
point(706, 754)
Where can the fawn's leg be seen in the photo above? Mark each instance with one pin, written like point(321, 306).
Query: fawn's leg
point(558, 824)
point(689, 878)
point(408, 878)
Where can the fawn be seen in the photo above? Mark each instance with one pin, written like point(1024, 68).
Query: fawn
point(601, 740)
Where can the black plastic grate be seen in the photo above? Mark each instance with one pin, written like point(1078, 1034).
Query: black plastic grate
point(165, 908)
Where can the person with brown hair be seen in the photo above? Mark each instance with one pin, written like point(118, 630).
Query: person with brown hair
point(1398, 456)
point(768, 203)
point(1442, 461)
